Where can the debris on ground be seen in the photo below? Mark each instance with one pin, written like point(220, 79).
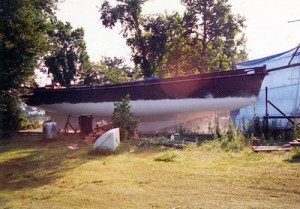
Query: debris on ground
point(101, 128)
point(172, 142)
point(73, 146)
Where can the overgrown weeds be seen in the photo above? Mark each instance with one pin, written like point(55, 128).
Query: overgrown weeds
point(229, 141)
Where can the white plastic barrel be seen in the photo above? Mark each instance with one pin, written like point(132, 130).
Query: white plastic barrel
point(49, 130)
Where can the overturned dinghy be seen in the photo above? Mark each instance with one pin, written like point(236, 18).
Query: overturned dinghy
point(108, 141)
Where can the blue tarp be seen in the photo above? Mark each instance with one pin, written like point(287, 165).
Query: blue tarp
point(283, 88)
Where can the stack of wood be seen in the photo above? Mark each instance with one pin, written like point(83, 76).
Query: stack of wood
point(101, 128)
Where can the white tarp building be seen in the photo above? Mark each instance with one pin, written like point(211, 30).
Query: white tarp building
point(283, 83)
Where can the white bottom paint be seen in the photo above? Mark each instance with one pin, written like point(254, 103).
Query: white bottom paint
point(153, 115)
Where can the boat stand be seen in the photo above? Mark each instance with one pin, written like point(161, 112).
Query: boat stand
point(290, 118)
point(66, 127)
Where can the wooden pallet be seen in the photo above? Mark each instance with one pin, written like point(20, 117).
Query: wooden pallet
point(271, 148)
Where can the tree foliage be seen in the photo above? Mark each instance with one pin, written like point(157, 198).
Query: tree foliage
point(11, 115)
point(159, 34)
point(108, 70)
point(23, 40)
point(24, 27)
point(128, 13)
point(208, 37)
point(69, 55)
point(146, 36)
point(115, 70)
point(213, 30)
point(122, 118)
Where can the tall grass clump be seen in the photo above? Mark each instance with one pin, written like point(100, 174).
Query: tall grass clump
point(232, 140)
point(295, 155)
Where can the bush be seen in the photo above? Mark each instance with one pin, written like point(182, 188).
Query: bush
point(123, 118)
point(10, 114)
point(254, 127)
point(26, 124)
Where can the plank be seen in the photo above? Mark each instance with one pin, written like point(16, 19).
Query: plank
point(271, 148)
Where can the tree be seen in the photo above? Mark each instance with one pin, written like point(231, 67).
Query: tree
point(181, 53)
point(128, 13)
point(108, 70)
point(214, 31)
point(115, 70)
point(91, 75)
point(69, 55)
point(146, 36)
point(159, 34)
point(24, 39)
point(207, 38)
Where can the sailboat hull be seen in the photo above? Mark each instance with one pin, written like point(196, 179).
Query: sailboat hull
point(161, 101)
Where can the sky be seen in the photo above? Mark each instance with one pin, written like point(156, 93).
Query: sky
point(268, 31)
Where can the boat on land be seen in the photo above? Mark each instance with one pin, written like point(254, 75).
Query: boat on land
point(157, 104)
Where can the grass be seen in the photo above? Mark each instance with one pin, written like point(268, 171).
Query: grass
point(36, 174)
point(168, 156)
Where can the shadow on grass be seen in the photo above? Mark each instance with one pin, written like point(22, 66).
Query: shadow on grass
point(129, 146)
point(29, 162)
point(295, 156)
point(294, 159)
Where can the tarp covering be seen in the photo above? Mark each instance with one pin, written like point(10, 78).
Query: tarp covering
point(283, 88)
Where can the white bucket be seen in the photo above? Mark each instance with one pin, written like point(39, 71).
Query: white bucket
point(49, 130)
